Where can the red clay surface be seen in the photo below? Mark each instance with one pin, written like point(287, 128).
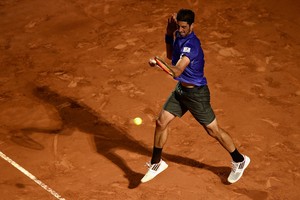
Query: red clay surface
point(73, 75)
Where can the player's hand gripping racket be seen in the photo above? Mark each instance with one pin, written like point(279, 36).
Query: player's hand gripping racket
point(164, 66)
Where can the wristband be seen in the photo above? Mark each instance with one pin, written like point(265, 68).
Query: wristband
point(169, 39)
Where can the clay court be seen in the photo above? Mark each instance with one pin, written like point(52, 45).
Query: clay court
point(74, 74)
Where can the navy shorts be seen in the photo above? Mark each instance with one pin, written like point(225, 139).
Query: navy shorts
point(196, 100)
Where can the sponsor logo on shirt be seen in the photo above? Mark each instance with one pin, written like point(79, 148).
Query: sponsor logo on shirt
point(186, 49)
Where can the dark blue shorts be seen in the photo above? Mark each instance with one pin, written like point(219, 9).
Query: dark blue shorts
point(196, 100)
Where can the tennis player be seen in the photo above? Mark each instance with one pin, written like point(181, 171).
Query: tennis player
point(190, 94)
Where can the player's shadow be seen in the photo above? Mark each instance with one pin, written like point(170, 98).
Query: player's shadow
point(109, 137)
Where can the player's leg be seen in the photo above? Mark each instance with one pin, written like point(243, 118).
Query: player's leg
point(161, 134)
point(198, 101)
point(240, 162)
point(157, 165)
point(171, 109)
point(221, 135)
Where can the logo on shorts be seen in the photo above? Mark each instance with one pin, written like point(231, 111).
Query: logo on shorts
point(186, 49)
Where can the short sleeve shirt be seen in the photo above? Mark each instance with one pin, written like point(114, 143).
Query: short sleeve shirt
point(190, 46)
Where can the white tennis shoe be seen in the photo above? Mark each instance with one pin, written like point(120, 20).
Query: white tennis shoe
point(238, 169)
point(154, 170)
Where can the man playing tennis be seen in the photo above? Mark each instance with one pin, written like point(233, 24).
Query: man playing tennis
point(190, 94)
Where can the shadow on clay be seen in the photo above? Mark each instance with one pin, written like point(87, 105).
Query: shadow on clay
point(108, 137)
point(252, 194)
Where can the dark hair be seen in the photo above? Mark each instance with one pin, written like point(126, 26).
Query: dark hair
point(186, 15)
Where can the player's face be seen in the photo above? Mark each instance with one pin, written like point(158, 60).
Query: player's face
point(184, 28)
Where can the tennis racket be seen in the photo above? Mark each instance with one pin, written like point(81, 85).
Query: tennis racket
point(164, 66)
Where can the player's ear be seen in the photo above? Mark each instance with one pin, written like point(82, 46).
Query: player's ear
point(192, 26)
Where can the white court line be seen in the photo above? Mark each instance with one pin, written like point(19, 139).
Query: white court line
point(32, 177)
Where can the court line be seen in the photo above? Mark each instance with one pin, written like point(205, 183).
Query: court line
point(32, 177)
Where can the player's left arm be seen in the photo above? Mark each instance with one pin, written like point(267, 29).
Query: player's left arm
point(169, 37)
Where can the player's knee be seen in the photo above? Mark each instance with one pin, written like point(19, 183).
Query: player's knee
point(213, 131)
point(161, 123)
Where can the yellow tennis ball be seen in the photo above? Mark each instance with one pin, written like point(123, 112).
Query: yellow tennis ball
point(137, 121)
